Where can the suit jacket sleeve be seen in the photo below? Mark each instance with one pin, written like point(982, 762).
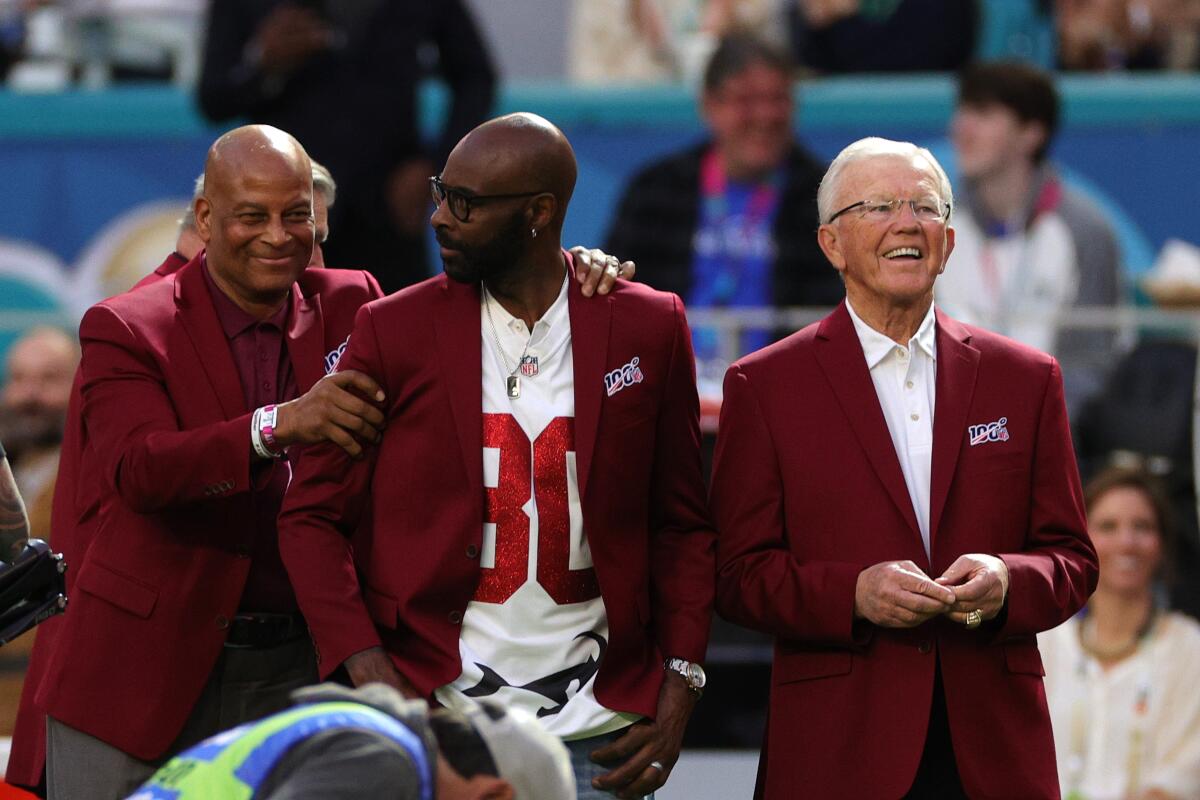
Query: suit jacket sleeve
point(683, 543)
point(322, 508)
point(145, 456)
point(1053, 576)
point(760, 583)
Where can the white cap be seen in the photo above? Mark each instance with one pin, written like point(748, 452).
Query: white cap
point(535, 762)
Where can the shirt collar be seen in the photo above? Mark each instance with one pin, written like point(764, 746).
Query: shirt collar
point(876, 346)
point(235, 321)
point(555, 317)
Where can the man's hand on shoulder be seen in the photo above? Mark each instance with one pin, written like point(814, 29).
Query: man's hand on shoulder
point(646, 742)
point(373, 665)
point(979, 582)
point(597, 271)
point(333, 410)
point(898, 594)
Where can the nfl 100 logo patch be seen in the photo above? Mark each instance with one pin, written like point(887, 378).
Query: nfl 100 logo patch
point(988, 432)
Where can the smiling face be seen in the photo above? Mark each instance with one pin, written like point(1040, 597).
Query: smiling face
point(1125, 530)
point(750, 115)
point(892, 262)
point(256, 219)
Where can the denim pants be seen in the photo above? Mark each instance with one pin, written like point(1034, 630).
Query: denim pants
point(586, 769)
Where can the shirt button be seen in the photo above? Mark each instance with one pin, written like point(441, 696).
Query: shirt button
point(908, 384)
point(472, 551)
point(914, 417)
point(455, 617)
point(263, 355)
point(267, 385)
point(924, 646)
point(900, 351)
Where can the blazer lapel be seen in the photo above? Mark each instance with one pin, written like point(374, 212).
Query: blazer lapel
point(196, 313)
point(456, 329)
point(841, 358)
point(957, 367)
point(591, 319)
point(306, 339)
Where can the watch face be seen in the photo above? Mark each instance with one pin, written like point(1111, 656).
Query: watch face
point(695, 676)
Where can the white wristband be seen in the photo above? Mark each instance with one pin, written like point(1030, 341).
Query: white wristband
point(256, 440)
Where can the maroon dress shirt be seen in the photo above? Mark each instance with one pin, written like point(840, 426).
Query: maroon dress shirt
point(260, 354)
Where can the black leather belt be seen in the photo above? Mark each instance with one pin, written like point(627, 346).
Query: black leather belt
point(261, 631)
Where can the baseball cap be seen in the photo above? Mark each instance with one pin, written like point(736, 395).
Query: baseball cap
point(535, 762)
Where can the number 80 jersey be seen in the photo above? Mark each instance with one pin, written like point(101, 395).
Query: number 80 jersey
point(535, 630)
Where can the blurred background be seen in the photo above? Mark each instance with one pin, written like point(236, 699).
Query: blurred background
point(108, 106)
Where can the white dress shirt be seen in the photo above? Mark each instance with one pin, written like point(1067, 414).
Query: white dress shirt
point(905, 378)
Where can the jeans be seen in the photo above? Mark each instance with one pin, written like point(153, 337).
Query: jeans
point(585, 769)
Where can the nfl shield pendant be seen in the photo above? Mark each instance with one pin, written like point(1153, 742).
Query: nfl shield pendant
point(529, 366)
point(514, 386)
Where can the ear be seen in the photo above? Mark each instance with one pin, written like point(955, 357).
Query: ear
point(489, 787)
point(541, 211)
point(949, 248)
point(1033, 137)
point(829, 238)
point(203, 211)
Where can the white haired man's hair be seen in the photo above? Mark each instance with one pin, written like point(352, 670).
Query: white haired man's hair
point(323, 183)
point(871, 147)
point(188, 221)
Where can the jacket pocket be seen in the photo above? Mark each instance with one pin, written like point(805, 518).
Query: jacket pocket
point(1024, 658)
point(805, 666)
point(383, 608)
point(124, 592)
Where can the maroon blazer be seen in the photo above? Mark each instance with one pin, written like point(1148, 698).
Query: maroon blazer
point(419, 496)
point(165, 434)
point(72, 519)
point(807, 492)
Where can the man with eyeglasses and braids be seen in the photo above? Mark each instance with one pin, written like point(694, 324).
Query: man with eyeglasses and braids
point(532, 526)
point(897, 503)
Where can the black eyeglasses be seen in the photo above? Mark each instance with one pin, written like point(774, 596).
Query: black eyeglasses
point(461, 202)
point(926, 210)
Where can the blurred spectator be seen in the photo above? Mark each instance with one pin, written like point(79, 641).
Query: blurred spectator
point(33, 406)
point(1120, 676)
point(1028, 246)
point(1097, 35)
point(1017, 30)
point(343, 77)
point(729, 222)
point(884, 35)
point(660, 40)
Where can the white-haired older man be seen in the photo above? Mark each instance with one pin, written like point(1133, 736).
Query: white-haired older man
point(898, 504)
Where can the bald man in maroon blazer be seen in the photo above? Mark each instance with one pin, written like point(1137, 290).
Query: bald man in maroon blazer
point(898, 505)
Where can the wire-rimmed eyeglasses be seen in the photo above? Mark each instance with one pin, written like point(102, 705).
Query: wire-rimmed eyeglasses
point(927, 209)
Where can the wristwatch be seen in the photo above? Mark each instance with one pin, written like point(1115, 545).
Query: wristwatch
point(692, 672)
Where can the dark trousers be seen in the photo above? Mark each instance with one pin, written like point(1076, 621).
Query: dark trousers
point(937, 775)
point(245, 684)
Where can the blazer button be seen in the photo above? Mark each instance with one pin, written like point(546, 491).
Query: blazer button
point(455, 617)
point(222, 622)
point(924, 646)
point(472, 551)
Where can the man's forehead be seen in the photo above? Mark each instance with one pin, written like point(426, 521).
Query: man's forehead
point(889, 173)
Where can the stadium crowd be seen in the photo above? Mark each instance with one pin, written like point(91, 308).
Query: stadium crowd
point(337, 529)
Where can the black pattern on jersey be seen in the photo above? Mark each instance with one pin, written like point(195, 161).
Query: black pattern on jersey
point(553, 687)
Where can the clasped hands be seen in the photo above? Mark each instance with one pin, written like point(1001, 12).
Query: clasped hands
point(898, 594)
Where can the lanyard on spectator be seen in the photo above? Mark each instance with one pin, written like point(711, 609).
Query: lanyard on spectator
point(760, 208)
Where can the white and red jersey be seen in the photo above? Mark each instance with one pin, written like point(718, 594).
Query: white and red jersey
point(535, 630)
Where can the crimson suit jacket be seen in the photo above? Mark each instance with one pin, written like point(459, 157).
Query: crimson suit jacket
point(165, 434)
point(72, 518)
point(807, 491)
point(416, 505)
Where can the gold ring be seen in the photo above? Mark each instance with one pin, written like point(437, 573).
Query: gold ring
point(974, 618)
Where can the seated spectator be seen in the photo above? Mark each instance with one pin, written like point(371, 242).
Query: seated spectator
point(1028, 246)
point(1101, 35)
point(33, 407)
point(729, 221)
point(1120, 676)
point(884, 35)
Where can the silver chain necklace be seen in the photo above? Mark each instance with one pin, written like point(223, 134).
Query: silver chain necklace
point(512, 383)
